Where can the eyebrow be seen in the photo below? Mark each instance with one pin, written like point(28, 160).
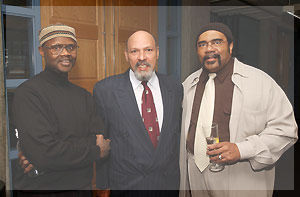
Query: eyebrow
point(147, 47)
point(62, 44)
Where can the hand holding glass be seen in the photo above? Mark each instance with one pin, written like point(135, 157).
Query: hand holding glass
point(212, 137)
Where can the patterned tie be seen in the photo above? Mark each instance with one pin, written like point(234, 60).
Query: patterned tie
point(205, 117)
point(149, 115)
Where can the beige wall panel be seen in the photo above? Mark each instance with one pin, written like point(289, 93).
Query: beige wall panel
point(80, 14)
point(134, 16)
point(110, 40)
point(136, 3)
point(83, 31)
point(123, 64)
point(86, 64)
point(153, 20)
point(101, 43)
point(73, 2)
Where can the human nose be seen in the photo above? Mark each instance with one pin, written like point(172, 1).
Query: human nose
point(210, 47)
point(64, 51)
point(142, 55)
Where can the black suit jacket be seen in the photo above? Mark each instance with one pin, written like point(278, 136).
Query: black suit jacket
point(134, 163)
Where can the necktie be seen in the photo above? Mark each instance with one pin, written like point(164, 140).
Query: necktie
point(205, 118)
point(149, 115)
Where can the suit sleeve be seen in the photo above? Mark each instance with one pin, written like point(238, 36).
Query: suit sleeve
point(102, 166)
point(279, 133)
point(96, 125)
point(38, 141)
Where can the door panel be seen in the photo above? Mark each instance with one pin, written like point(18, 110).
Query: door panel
point(86, 64)
point(102, 32)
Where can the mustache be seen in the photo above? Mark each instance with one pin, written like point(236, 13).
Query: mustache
point(66, 58)
point(217, 56)
point(143, 62)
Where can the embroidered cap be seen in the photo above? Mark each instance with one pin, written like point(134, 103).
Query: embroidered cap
point(57, 30)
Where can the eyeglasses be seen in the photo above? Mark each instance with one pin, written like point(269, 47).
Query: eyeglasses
point(213, 43)
point(58, 48)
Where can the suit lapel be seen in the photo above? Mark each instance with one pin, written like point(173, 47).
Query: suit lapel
point(126, 100)
point(168, 101)
point(237, 101)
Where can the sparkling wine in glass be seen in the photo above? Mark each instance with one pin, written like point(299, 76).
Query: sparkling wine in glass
point(212, 134)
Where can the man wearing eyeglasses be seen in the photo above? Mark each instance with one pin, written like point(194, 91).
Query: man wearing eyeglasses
point(255, 120)
point(57, 123)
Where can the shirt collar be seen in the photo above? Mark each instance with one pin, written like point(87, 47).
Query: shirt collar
point(204, 76)
point(227, 69)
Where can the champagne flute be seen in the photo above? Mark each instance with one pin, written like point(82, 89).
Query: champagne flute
point(212, 137)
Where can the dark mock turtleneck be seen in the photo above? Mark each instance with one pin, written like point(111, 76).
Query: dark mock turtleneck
point(57, 123)
point(54, 76)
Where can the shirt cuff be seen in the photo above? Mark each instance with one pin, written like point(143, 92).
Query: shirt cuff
point(246, 150)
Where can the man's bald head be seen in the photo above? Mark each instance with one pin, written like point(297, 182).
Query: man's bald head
point(143, 33)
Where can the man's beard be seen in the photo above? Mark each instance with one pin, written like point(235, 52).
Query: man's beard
point(143, 75)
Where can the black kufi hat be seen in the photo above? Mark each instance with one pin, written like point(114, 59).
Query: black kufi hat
point(218, 27)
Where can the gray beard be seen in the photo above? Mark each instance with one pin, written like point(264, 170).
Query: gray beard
point(143, 76)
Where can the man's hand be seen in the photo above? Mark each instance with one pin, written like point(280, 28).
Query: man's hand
point(104, 145)
point(24, 163)
point(229, 152)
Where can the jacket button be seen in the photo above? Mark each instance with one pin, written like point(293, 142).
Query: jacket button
point(125, 134)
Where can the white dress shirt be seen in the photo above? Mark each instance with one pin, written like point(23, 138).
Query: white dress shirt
point(153, 84)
